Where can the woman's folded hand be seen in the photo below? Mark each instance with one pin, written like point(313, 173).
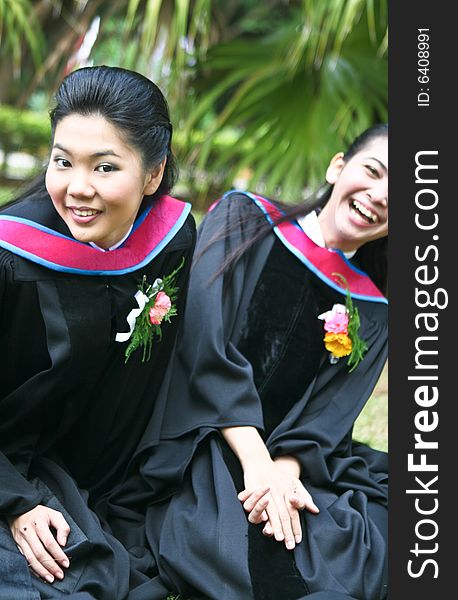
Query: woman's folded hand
point(33, 533)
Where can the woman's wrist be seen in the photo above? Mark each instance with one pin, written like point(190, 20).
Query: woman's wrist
point(290, 464)
point(255, 460)
point(247, 445)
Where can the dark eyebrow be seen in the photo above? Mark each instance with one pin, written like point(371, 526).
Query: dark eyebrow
point(379, 162)
point(106, 152)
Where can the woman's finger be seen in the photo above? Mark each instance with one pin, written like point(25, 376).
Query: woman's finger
point(299, 500)
point(244, 495)
point(42, 556)
point(50, 543)
point(35, 565)
point(57, 520)
point(258, 513)
point(296, 527)
point(254, 498)
point(285, 519)
point(303, 500)
point(278, 517)
point(275, 523)
point(268, 531)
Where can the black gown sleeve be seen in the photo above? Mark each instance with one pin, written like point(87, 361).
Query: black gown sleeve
point(209, 383)
point(17, 495)
point(212, 382)
point(209, 360)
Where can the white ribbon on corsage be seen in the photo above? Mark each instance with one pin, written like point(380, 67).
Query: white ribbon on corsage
point(142, 300)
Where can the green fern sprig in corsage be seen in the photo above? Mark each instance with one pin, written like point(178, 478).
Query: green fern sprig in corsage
point(358, 346)
point(155, 306)
point(341, 325)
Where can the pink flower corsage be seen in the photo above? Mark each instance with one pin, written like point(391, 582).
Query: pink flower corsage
point(155, 305)
point(161, 308)
point(341, 325)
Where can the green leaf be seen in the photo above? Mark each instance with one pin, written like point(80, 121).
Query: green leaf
point(145, 333)
point(359, 346)
point(300, 92)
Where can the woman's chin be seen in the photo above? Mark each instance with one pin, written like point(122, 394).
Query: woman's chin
point(82, 236)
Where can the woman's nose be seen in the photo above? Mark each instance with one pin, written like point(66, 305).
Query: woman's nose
point(80, 185)
point(379, 193)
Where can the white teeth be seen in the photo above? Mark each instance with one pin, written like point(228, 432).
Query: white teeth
point(365, 211)
point(84, 213)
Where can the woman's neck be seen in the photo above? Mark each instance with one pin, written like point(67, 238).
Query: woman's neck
point(116, 244)
point(331, 237)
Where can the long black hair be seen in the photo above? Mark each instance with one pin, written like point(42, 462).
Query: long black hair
point(371, 257)
point(129, 101)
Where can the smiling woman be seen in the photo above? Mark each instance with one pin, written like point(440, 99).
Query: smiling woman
point(357, 211)
point(96, 180)
point(76, 249)
point(284, 339)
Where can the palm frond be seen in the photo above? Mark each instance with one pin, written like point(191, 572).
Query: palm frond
point(18, 23)
point(295, 96)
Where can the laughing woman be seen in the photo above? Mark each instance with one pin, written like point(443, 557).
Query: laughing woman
point(266, 495)
point(94, 263)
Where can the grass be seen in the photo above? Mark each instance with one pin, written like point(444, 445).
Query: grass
point(5, 194)
point(371, 427)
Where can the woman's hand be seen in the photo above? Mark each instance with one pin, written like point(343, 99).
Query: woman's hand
point(274, 493)
point(32, 533)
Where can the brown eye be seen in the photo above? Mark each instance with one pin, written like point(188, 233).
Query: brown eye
point(106, 168)
point(62, 162)
point(372, 170)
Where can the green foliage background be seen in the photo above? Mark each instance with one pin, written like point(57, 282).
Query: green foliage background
point(261, 94)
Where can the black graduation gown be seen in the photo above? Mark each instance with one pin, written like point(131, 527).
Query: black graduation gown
point(252, 353)
point(72, 412)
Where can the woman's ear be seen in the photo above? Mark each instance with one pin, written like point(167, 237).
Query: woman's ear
point(153, 178)
point(335, 167)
